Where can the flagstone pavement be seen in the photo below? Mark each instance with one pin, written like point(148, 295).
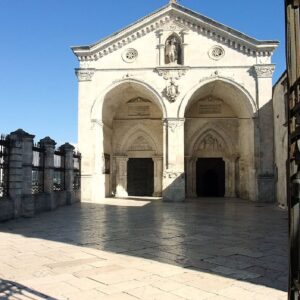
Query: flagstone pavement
point(147, 249)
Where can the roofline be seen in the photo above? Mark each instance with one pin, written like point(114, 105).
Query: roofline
point(218, 26)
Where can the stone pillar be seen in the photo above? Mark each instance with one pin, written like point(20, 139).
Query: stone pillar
point(15, 172)
point(191, 177)
point(264, 136)
point(174, 177)
point(98, 182)
point(161, 48)
point(68, 149)
point(158, 167)
point(49, 147)
point(121, 177)
point(229, 177)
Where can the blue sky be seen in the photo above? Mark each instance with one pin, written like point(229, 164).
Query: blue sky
point(38, 88)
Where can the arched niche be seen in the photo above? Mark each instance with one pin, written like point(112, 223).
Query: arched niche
point(173, 50)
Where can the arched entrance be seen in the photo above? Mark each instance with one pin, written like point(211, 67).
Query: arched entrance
point(132, 141)
point(219, 142)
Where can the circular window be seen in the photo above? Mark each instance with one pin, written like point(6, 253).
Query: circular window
point(216, 52)
point(130, 55)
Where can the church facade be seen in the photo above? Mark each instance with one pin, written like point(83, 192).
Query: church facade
point(179, 106)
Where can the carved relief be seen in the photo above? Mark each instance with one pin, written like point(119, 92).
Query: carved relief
point(173, 125)
point(210, 143)
point(130, 55)
point(171, 92)
point(138, 107)
point(140, 144)
point(84, 75)
point(264, 70)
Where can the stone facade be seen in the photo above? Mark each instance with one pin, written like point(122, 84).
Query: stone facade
point(180, 89)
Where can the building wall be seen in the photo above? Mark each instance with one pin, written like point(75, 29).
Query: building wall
point(280, 138)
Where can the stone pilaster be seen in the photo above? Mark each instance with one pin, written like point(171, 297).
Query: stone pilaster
point(49, 147)
point(173, 175)
point(121, 177)
point(264, 133)
point(161, 48)
point(68, 149)
point(183, 34)
point(191, 176)
point(158, 169)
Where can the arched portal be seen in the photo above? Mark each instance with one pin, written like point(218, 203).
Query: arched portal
point(132, 137)
point(219, 141)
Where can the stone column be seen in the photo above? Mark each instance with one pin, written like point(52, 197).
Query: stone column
point(121, 177)
point(19, 171)
point(229, 177)
point(161, 48)
point(68, 149)
point(49, 147)
point(173, 176)
point(158, 167)
point(264, 133)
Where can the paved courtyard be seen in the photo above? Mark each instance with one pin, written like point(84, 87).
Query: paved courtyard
point(146, 249)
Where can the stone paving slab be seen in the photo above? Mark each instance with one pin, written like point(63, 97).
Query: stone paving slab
point(216, 249)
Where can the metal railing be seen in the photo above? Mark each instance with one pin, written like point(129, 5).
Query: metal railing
point(38, 158)
point(59, 171)
point(4, 166)
point(77, 171)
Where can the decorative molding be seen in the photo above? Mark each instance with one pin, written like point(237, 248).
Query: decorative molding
point(172, 174)
point(210, 143)
point(171, 92)
point(85, 74)
point(140, 144)
point(173, 72)
point(264, 71)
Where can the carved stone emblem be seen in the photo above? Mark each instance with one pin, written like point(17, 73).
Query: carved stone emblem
point(168, 73)
point(171, 92)
point(130, 55)
point(216, 52)
point(174, 124)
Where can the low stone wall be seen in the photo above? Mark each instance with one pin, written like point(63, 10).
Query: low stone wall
point(29, 182)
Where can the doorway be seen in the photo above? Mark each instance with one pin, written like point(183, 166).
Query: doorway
point(140, 177)
point(210, 177)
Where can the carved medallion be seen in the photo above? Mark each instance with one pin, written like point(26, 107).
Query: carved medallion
point(216, 52)
point(130, 55)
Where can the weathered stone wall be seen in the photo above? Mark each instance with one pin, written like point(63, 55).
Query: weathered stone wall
point(280, 138)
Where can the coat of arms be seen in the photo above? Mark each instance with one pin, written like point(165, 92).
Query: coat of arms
point(171, 91)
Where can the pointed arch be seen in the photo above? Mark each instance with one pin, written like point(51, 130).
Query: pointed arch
point(216, 132)
point(135, 133)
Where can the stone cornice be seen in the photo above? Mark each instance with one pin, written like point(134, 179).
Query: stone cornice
point(264, 71)
point(187, 19)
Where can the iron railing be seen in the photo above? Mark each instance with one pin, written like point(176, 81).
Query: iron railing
point(4, 166)
point(38, 158)
point(59, 171)
point(77, 171)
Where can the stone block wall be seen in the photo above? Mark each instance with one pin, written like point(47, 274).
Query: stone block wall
point(30, 180)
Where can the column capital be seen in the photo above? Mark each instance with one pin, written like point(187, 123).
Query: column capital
point(67, 147)
point(20, 133)
point(84, 74)
point(264, 71)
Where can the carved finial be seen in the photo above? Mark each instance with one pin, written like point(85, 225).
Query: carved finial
point(172, 1)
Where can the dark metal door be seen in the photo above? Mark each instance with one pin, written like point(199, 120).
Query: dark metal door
point(140, 177)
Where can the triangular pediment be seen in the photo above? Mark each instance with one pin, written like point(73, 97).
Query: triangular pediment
point(175, 17)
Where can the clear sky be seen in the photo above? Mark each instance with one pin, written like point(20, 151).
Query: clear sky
point(38, 87)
